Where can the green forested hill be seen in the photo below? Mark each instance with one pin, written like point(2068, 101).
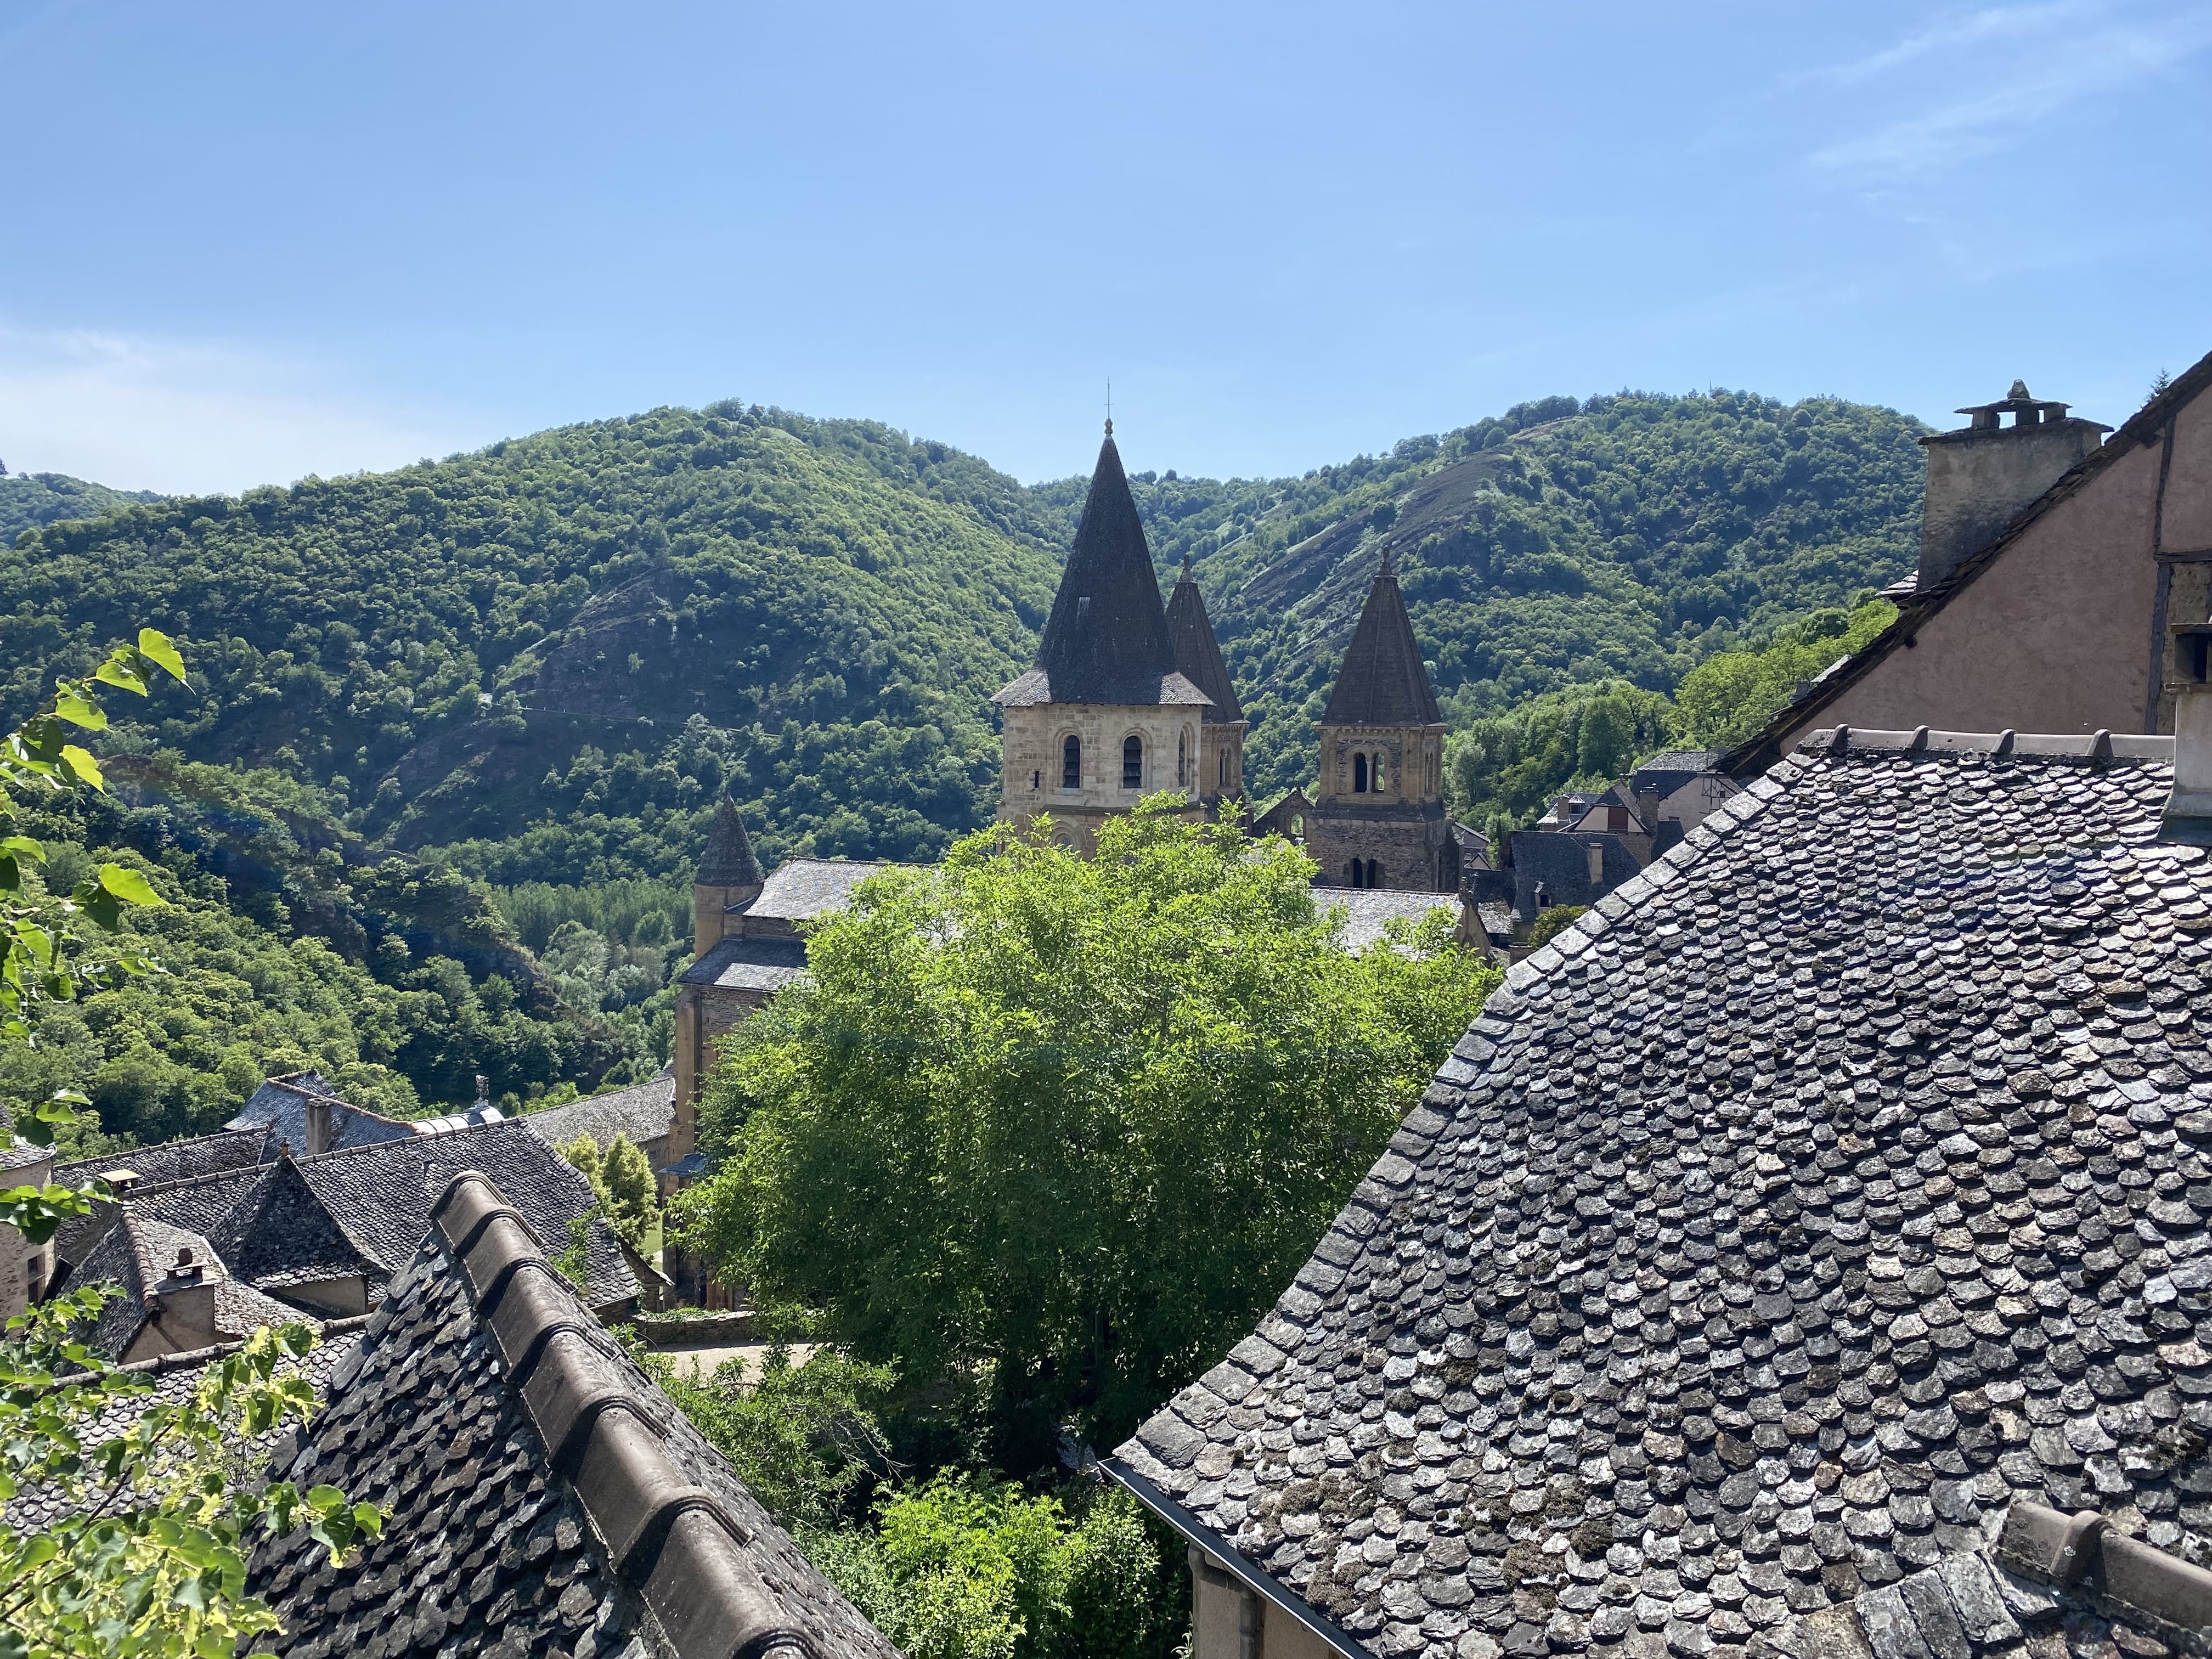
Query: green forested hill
point(35, 498)
point(539, 665)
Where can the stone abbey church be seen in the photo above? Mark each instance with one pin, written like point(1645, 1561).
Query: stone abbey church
point(1129, 698)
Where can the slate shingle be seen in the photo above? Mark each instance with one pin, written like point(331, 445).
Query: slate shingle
point(1837, 1182)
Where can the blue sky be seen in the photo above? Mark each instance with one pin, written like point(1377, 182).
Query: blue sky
point(242, 242)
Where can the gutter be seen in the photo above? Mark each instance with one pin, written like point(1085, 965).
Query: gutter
point(1217, 1552)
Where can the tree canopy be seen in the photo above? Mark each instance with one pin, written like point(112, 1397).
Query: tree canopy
point(1068, 1120)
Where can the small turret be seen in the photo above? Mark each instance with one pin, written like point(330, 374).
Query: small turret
point(728, 876)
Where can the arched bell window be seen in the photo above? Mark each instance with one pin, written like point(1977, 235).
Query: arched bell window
point(1358, 873)
point(1374, 873)
point(1359, 775)
point(1070, 763)
point(1374, 774)
point(1133, 762)
point(1224, 769)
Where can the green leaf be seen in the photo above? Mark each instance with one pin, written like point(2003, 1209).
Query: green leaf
point(129, 886)
point(24, 847)
point(82, 766)
point(80, 711)
point(154, 643)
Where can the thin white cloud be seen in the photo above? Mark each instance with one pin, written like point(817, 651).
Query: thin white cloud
point(1996, 22)
point(186, 417)
point(2023, 92)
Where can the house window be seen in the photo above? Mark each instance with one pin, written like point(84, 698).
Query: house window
point(1359, 775)
point(1036, 780)
point(1070, 763)
point(1133, 762)
point(1183, 758)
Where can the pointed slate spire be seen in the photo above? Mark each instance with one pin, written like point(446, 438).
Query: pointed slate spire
point(728, 861)
point(1107, 639)
point(1197, 653)
point(1383, 681)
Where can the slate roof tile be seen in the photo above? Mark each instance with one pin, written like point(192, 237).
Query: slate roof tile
point(1770, 1233)
point(506, 1529)
point(643, 1112)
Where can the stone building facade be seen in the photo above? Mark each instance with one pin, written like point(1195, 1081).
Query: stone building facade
point(1377, 818)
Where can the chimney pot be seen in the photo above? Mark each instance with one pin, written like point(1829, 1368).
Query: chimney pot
point(1980, 478)
point(320, 1126)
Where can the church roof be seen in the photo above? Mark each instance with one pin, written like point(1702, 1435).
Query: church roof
point(1383, 681)
point(1837, 1185)
point(1197, 653)
point(728, 861)
point(1107, 639)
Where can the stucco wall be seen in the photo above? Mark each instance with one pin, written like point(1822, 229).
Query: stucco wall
point(2187, 524)
point(2054, 636)
point(1216, 1632)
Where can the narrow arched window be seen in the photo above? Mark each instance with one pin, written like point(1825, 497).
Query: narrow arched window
point(1133, 762)
point(1070, 763)
point(1224, 769)
point(1358, 874)
point(1375, 776)
point(1359, 775)
point(1374, 873)
point(1183, 758)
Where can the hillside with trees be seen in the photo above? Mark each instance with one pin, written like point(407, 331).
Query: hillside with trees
point(30, 499)
point(476, 712)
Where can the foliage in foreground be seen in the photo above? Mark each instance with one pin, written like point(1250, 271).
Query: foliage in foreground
point(149, 1557)
point(151, 1560)
point(1067, 1122)
point(958, 1566)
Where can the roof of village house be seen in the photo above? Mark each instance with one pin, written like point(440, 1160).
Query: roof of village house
point(643, 1112)
point(171, 1378)
point(728, 861)
point(1369, 910)
point(362, 1211)
point(1383, 681)
point(541, 1496)
point(1197, 653)
point(1560, 858)
point(1839, 1187)
point(139, 1257)
point(279, 1106)
point(1915, 606)
point(18, 1153)
point(172, 1160)
point(1107, 639)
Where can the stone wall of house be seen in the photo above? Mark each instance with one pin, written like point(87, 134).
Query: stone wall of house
point(23, 1270)
point(703, 1013)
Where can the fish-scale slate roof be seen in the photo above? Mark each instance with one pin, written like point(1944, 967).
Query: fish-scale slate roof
point(1839, 1186)
point(1383, 681)
point(1107, 639)
point(728, 861)
point(1197, 651)
point(364, 1210)
point(172, 1160)
point(542, 1496)
point(136, 1257)
point(279, 1108)
point(643, 1112)
point(736, 963)
point(1369, 910)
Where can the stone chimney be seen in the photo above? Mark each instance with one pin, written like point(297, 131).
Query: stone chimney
point(2188, 816)
point(1980, 477)
point(322, 1128)
point(183, 1305)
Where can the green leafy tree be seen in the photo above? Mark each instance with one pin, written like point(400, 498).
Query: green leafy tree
point(1066, 1123)
point(622, 1180)
point(148, 1558)
point(1732, 694)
